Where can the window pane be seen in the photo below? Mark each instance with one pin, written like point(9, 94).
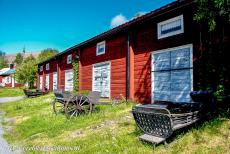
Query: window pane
point(161, 61)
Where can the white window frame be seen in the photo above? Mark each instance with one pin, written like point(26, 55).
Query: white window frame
point(55, 88)
point(97, 50)
point(41, 68)
point(47, 66)
point(69, 59)
point(67, 71)
point(160, 36)
point(47, 85)
point(167, 50)
point(40, 82)
point(8, 79)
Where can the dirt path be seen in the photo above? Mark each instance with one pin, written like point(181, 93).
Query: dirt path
point(10, 99)
point(4, 146)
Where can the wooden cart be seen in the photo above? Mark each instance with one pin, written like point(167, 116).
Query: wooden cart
point(74, 105)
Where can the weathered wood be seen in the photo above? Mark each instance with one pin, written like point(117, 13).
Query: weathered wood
point(152, 139)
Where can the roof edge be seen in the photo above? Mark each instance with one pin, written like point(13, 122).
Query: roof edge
point(123, 26)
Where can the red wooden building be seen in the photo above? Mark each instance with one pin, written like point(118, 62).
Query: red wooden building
point(7, 78)
point(152, 57)
point(56, 73)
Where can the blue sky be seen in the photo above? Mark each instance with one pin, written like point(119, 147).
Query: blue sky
point(60, 24)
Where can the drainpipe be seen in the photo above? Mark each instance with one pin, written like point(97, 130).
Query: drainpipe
point(57, 74)
point(128, 69)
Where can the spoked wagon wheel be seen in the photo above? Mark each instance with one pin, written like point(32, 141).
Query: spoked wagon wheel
point(58, 107)
point(84, 105)
point(71, 107)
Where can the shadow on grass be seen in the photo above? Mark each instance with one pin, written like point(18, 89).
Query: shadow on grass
point(210, 126)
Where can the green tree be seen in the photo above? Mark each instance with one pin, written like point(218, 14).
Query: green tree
point(75, 75)
point(26, 72)
point(211, 11)
point(18, 59)
point(3, 62)
point(214, 19)
point(46, 54)
point(30, 58)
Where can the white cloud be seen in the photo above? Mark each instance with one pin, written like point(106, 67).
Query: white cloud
point(118, 20)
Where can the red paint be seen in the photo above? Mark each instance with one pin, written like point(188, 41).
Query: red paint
point(143, 42)
point(116, 50)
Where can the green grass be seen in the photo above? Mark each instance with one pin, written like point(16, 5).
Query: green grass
point(11, 92)
point(110, 129)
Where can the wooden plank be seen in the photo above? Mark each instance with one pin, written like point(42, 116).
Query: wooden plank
point(152, 139)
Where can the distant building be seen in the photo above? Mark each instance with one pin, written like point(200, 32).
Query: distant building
point(7, 77)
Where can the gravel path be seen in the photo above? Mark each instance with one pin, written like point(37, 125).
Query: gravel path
point(4, 146)
point(10, 99)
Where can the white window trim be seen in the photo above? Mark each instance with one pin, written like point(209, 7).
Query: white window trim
point(8, 80)
point(172, 33)
point(66, 71)
point(47, 66)
point(55, 73)
point(47, 84)
point(41, 68)
point(69, 59)
point(98, 44)
point(40, 82)
point(98, 64)
point(166, 50)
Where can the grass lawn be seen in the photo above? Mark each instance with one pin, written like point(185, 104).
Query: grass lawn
point(110, 129)
point(11, 92)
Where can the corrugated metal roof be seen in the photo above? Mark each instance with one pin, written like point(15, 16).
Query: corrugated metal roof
point(7, 71)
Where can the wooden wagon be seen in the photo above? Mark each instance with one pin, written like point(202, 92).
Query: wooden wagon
point(73, 105)
point(30, 93)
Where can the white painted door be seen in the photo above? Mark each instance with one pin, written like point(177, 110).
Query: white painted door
point(172, 74)
point(69, 80)
point(41, 81)
point(55, 81)
point(13, 82)
point(47, 81)
point(101, 78)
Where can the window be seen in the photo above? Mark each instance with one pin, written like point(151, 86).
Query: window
point(55, 81)
point(100, 48)
point(47, 66)
point(8, 80)
point(171, 27)
point(69, 80)
point(47, 81)
point(172, 74)
point(41, 82)
point(69, 59)
point(41, 68)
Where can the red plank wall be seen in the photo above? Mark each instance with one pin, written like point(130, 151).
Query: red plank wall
point(144, 42)
point(53, 68)
point(38, 77)
point(62, 67)
point(0, 79)
point(116, 50)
